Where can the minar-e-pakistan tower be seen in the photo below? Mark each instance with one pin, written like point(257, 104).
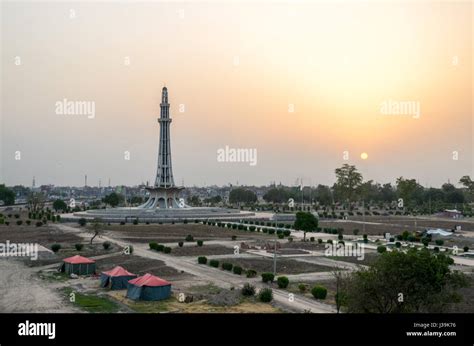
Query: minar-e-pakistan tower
point(164, 194)
point(163, 203)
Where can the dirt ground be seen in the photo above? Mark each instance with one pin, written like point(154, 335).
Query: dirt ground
point(205, 250)
point(167, 233)
point(23, 291)
point(284, 265)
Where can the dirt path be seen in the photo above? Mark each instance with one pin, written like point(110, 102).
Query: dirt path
point(218, 277)
point(22, 291)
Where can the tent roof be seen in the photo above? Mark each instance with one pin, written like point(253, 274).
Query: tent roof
point(118, 271)
point(78, 260)
point(149, 280)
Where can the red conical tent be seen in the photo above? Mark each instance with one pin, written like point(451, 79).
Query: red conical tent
point(78, 260)
point(118, 271)
point(149, 280)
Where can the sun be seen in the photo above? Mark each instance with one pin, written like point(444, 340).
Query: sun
point(364, 156)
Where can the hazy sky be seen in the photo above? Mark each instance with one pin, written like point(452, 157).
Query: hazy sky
point(301, 83)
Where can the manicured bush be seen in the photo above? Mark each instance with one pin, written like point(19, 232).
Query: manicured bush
point(19, 222)
point(202, 260)
point(281, 236)
point(167, 249)
point(234, 237)
point(320, 241)
point(381, 249)
point(28, 222)
point(227, 266)
point(251, 273)
point(189, 237)
point(122, 223)
point(248, 290)
point(391, 240)
point(55, 247)
point(237, 270)
point(271, 231)
point(436, 249)
point(200, 243)
point(39, 224)
point(7, 223)
point(311, 239)
point(106, 245)
point(153, 245)
point(466, 248)
point(78, 247)
point(268, 277)
point(82, 222)
point(214, 263)
point(180, 244)
point(265, 295)
point(329, 241)
point(282, 282)
point(160, 247)
point(398, 244)
point(135, 222)
point(302, 288)
point(319, 292)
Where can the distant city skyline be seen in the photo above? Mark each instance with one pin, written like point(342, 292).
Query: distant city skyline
point(260, 92)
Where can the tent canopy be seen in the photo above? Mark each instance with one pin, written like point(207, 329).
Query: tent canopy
point(149, 280)
point(78, 260)
point(118, 271)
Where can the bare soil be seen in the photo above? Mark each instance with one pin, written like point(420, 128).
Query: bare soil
point(284, 265)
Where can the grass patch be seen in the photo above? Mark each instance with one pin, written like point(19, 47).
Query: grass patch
point(90, 303)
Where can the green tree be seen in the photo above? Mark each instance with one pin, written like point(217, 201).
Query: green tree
point(415, 281)
point(59, 204)
point(306, 222)
point(347, 181)
point(7, 195)
point(96, 227)
point(113, 199)
point(241, 195)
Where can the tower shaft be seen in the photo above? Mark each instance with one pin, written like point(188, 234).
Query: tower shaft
point(164, 174)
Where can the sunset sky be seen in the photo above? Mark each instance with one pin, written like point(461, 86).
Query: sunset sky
point(301, 83)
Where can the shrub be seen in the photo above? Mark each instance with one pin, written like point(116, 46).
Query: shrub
point(180, 244)
point(7, 223)
point(135, 222)
point(281, 236)
point(398, 244)
point(19, 222)
point(271, 231)
point(251, 273)
point(214, 263)
point(200, 242)
point(189, 237)
point(122, 223)
point(340, 237)
point(160, 247)
point(38, 224)
point(329, 241)
point(248, 290)
point(227, 266)
point(167, 249)
point(391, 240)
point(311, 239)
point(302, 288)
point(355, 231)
point(436, 249)
point(202, 260)
point(55, 247)
point(82, 222)
point(153, 245)
point(237, 270)
point(28, 222)
point(439, 242)
point(319, 292)
point(234, 237)
point(268, 277)
point(286, 233)
point(79, 247)
point(265, 295)
point(320, 241)
point(381, 249)
point(466, 248)
point(106, 245)
point(282, 282)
